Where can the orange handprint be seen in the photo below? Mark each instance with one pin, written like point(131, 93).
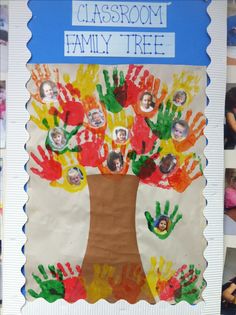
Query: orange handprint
point(195, 132)
point(183, 177)
point(129, 284)
point(46, 88)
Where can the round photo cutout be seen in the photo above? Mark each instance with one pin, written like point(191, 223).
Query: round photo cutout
point(57, 139)
point(179, 98)
point(115, 161)
point(48, 91)
point(168, 164)
point(120, 135)
point(162, 225)
point(147, 102)
point(179, 130)
point(75, 176)
point(96, 118)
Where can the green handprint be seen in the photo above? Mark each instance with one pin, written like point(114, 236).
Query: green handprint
point(165, 119)
point(189, 291)
point(115, 94)
point(163, 225)
point(51, 289)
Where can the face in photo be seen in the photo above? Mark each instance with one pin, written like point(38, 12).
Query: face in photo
point(75, 176)
point(96, 118)
point(120, 135)
point(179, 98)
point(179, 130)
point(48, 91)
point(167, 164)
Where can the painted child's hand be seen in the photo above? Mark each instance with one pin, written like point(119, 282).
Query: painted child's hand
point(165, 118)
point(130, 283)
point(72, 112)
point(51, 289)
point(114, 93)
point(50, 168)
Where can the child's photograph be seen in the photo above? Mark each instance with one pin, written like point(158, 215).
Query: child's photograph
point(179, 98)
point(147, 103)
point(162, 225)
point(48, 91)
point(230, 117)
point(167, 164)
point(115, 161)
point(2, 114)
point(228, 296)
point(230, 202)
point(57, 138)
point(75, 176)
point(179, 130)
point(96, 118)
point(120, 135)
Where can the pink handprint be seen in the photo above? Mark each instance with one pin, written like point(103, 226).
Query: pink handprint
point(91, 146)
point(142, 139)
point(51, 169)
point(72, 111)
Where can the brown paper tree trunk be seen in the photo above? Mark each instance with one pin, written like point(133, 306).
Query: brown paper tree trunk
point(112, 237)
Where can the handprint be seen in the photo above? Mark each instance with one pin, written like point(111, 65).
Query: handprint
point(194, 133)
point(168, 290)
point(142, 138)
point(96, 115)
point(51, 289)
point(163, 224)
point(117, 162)
point(119, 122)
point(51, 168)
point(183, 176)
point(91, 149)
point(145, 165)
point(73, 176)
point(72, 112)
point(189, 291)
point(73, 284)
point(86, 80)
point(43, 119)
point(40, 76)
point(114, 93)
point(148, 101)
point(187, 83)
point(100, 287)
point(133, 88)
point(158, 275)
point(165, 118)
point(129, 284)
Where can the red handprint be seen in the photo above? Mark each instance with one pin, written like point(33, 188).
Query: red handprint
point(167, 290)
point(91, 146)
point(51, 169)
point(130, 283)
point(194, 132)
point(72, 111)
point(133, 89)
point(181, 179)
point(73, 284)
point(142, 139)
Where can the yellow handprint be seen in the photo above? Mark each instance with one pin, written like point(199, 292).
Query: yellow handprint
point(43, 120)
point(159, 273)
point(100, 288)
point(86, 79)
point(168, 147)
point(119, 126)
point(185, 86)
point(73, 175)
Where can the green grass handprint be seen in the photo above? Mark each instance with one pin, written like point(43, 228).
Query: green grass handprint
point(165, 119)
point(163, 224)
point(51, 289)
